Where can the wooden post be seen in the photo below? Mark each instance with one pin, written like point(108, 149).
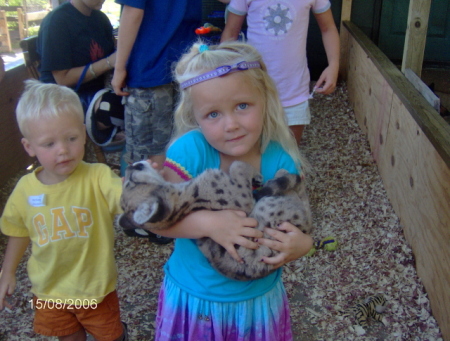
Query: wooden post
point(424, 90)
point(22, 22)
point(25, 17)
point(5, 41)
point(416, 35)
point(346, 12)
point(13, 157)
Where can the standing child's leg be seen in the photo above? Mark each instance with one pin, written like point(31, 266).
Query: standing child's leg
point(148, 128)
point(80, 335)
point(297, 130)
point(72, 320)
point(148, 123)
point(297, 117)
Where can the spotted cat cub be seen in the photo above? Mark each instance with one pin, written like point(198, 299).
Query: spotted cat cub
point(150, 202)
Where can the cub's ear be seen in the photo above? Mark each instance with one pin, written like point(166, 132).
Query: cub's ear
point(145, 211)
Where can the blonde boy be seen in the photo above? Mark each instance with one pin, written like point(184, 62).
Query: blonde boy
point(66, 209)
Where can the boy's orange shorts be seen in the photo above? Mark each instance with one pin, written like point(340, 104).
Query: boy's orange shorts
point(57, 318)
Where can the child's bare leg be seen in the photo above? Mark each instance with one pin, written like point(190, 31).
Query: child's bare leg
point(79, 335)
point(298, 132)
point(124, 336)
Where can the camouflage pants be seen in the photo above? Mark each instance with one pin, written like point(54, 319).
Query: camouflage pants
point(148, 121)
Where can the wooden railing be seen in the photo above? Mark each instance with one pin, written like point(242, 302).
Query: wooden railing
point(23, 20)
point(410, 142)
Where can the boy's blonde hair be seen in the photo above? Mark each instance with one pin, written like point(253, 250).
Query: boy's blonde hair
point(194, 63)
point(44, 101)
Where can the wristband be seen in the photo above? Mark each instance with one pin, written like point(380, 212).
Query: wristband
point(91, 70)
point(107, 62)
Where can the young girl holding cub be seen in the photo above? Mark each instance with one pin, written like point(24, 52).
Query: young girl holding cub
point(228, 110)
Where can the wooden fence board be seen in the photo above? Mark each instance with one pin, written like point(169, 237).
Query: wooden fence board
point(411, 144)
point(418, 185)
point(5, 41)
point(13, 156)
point(370, 96)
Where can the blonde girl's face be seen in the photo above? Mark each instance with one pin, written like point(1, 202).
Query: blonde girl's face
point(58, 144)
point(229, 111)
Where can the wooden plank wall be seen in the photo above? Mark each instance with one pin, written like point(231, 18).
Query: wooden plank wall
point(411, 145)
point(13, 156)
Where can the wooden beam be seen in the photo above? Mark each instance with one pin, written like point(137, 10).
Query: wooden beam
point(22, 23)
point(36, 16)
point(424, 89)
point(410, 142)
point(5, 41)
point(10, 8)
point(25, 8)
point(13, 156)
point(416, 35)
point(346, 12)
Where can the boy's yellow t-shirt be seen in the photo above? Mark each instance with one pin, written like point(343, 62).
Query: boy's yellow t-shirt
point(70, 225)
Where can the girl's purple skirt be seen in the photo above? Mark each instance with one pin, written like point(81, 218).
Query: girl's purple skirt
point(182, 316)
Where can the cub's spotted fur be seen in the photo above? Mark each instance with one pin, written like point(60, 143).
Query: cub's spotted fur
point(150, 202)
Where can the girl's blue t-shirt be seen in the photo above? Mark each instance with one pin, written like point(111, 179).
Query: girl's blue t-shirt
point(188, 268)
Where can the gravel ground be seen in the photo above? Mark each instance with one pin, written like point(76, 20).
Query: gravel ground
point(349, 203)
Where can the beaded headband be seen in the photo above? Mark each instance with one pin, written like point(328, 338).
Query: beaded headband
point(220, 71)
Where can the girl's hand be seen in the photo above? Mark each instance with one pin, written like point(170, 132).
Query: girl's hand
point(7, 286)
point(292, 244)
point(327, 81)
point(229, 227)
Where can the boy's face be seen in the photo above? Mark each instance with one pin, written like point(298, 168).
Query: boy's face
point(58, 144)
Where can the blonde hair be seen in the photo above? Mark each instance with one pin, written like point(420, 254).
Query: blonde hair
point(194, 63)
point(44, 101)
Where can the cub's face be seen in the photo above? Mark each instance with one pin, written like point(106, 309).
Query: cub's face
point(143, 199)
point(142, 172)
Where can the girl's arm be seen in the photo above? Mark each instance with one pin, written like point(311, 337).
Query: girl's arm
point(14, 252)
point(292, 244)
point(130, 22)
point(71, 76)
point(232, 27)
point(227, 227)
point(330, 37)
